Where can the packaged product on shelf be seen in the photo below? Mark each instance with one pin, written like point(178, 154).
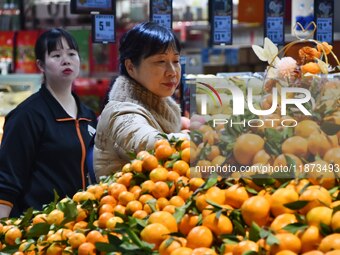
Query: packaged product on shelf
point(6, 51)
point(25, 60)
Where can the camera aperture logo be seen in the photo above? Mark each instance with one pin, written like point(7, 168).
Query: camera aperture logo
point(226, 94)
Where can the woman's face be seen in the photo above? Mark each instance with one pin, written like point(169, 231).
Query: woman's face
point(61, 65)
point(159, 73)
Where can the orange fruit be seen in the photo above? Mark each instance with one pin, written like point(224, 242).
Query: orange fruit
point(281, 197)
point(281, 221)
point(119, 209)
point(54, 237)
point(163, 151)
point(94, 236)
point(305, 128)
point(210, 137)
point(195, 183)
point(142, 154)
point(330, 242)
point(169, 245)
point(286, 252)
point(64, 233)
point(55, 217)
point(333, 156)
point(112, 222)
point(185, 155)
point(185, 193)
point(140, 214)
point(199, 236)
point(295, 145)
point(161, 189)
point(108, 199)
point(215, 194)
point(282, 161)
point(150, 162)
point(320, 173)
point(176, 201)
point(170, 209)
point(182, 251)
point(145, 198)
point(181, 167)
point(125, 179)
point(80, 225)
point(335, 222)
point(185, 144)
point(39, 218)
point(244, 246)
point(218, 225)
point(147, 186)
point(161, 142)
point(317, 195)
point(214, 151)
point(126, 168)
point(96, 190)
point(172, 176)
point(287, 241)
point(158, 174)
point(87, 249)
point(165, 218)
point(310, 239)
point(200, 201)
point(319, 143)
point(12, 234)
point(262, 157)
point(54, 249)
point(318, 215)
point(137, 165)
point(136, 190)
point(154, 233)
point(245, 148)
point(125, 197)
point(103, 218)
point(255, 209)
point(82, 213)
point(188, 222)
point(106, 208)
point(133, 206)
point(116, 188)
point(235, 195)
point(203, 251)
point(27, 248)
point(76, 239)
point(334, 252)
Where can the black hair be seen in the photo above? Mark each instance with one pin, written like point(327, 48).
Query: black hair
point(49, 40)
point(144, 40)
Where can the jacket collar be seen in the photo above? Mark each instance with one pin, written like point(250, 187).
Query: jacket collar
point(57, 110)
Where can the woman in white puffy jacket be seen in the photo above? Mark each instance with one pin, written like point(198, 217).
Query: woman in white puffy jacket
point(140, 104)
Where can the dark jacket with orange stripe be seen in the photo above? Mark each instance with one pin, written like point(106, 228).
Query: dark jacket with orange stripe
point(43, 149)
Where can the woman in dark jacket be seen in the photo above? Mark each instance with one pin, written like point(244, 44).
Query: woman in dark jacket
point(46, 137)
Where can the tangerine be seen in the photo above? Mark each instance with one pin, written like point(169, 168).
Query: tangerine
point(199, 236)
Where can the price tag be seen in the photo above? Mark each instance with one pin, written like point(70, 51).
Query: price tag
point(103, 28)
point(221, 21)
point(274, 21)
point(161, 12)
point(91, 6)
point(324, 18)
point(163, 19)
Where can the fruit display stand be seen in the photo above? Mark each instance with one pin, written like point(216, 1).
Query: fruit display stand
point(155, 206)
point(173, 200)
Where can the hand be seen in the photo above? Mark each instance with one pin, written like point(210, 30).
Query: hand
point(4, 211)
point(185, 123)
